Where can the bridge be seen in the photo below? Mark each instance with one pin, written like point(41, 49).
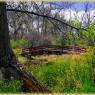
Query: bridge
point(50, 49)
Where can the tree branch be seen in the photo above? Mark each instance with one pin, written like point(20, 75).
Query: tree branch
point(45, 16)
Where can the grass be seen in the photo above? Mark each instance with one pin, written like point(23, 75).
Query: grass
point(13, 86)
point(71, 73)
point(66, 77)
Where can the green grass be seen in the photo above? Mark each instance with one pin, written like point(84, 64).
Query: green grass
point(13, 86)
point(67, 75)
point(70, 74)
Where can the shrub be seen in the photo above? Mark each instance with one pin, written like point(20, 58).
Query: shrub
point(19, 43)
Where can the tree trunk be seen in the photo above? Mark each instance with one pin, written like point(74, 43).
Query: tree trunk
point(8, 66)
point(7, 56)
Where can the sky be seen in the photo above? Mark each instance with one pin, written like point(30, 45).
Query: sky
point(80, 6)
point(76, 9)
point(76, 6)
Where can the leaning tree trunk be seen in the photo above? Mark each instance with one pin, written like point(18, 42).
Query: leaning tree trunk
point(8, 66)
point(7, 57)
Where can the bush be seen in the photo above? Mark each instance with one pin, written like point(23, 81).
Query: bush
point(18, 43)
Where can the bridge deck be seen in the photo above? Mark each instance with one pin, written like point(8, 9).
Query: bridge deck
point(51, 49)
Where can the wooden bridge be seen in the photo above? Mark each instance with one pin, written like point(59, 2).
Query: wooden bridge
point(50, 49)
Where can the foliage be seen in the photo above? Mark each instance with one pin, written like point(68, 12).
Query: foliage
point(72, 39)
point(12, 86)
point(83, 37)
point(18, 43)
point(89, 35)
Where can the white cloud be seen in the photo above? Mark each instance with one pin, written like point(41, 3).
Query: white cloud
point(54, 11)
point(67, 13)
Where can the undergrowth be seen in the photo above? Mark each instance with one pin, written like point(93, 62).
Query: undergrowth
point(13, 86)
point(70, 73)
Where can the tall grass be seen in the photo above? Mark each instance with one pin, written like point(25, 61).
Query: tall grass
point(69, 74)
point(73, 73)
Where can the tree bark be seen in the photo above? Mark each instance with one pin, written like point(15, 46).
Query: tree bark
point(7, 56)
